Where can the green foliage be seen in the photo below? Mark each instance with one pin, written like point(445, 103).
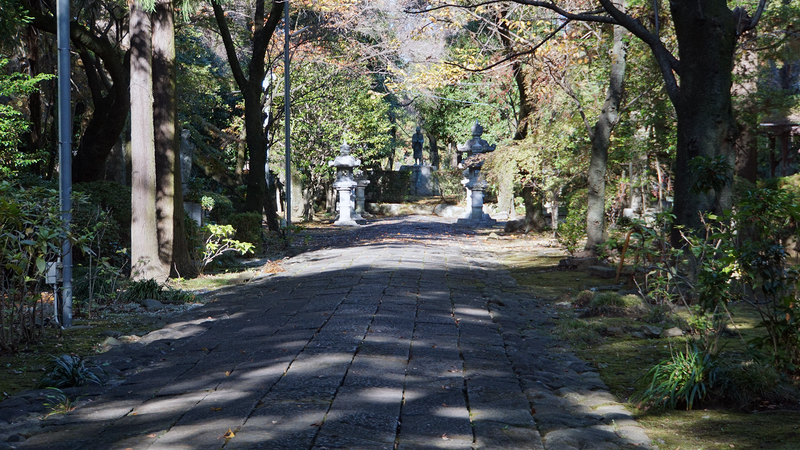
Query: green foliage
point(610, 303)
point(204, 87)
point(113, 198)
point(711, 173)
point(31, 234)
point(388, 186)
point(70, 371)
point(194, 237)
point(449, 182)
point(684, 379)
point(330, 106)
point(13, 123)
point(218, 206)
point(247, 226)
point(572, 232)
point(219, 241)
point(139, 290)
point(747, 382)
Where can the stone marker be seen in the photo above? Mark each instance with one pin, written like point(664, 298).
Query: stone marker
point(361, 184)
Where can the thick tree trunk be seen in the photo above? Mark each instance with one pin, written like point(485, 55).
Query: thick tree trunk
point(258, 199)
point(601, 136)
point(102, 132)
point(534, 219)
point(173, 250)
point(145, 263)
point(706, 126)
point(110, 110)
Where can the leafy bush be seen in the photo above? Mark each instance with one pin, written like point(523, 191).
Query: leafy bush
point(572, 232)
point(247, 226)
point(610, 303)
point(220, 241)
point(684, 379)
point(388, 186)
point(31, 234)
point(13, 123)
point(112, 197)
point(747, 382)
point(194, 236)
point(218, 206)
point(583, 299)
point(70, 371)
point(449, 182)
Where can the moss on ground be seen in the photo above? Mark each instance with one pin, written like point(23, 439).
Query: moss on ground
point(23, 370)
point(622, 360)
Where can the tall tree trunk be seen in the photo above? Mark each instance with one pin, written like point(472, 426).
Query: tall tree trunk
point(107, 122)
point(35, 98)
point(601, 136)
point(145, 263)
point(706, 33)
point(173, 250)
point(258, 199)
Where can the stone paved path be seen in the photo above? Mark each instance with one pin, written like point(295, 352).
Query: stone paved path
point(413, 339)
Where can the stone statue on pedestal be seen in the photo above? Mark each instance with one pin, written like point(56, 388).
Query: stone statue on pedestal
point(416, 144)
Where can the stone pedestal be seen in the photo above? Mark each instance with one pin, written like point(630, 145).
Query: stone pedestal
point(475, 216)
point(344, 188)
point(423, 183)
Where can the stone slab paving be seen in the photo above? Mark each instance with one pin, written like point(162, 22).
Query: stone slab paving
point(413, 339)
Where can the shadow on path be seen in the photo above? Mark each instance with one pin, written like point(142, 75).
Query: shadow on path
point(408, 339)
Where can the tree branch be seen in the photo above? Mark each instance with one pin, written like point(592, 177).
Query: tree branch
point(514, 55)
point(568, 90)
point(230, 50)
point(585, 16)
point(745, 23)
point(668, 64)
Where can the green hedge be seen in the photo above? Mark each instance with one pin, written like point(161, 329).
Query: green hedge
point(387, 186)
point(247, 226)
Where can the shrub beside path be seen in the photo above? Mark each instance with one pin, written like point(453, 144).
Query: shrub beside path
point(411, 337)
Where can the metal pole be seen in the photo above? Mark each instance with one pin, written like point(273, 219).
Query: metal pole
point(65, 153)
point(287, 125)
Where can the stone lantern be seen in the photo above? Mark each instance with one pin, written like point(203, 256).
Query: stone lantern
point(345, 184)
point(473, 181)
